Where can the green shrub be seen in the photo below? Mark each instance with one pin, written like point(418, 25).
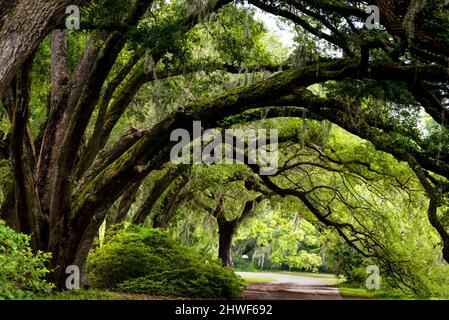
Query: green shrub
point(240, 264)
point(357, 275)
point(140, 260)
point(22, 273)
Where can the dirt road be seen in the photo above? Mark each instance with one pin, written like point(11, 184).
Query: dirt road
point(289, 287)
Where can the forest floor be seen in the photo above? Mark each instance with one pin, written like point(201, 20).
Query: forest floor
point(280, 286)
point(259, 286)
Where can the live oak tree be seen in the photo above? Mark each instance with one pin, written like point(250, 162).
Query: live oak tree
point(68, 174)
point(229, 202)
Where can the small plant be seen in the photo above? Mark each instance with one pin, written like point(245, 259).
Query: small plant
point(22, 273)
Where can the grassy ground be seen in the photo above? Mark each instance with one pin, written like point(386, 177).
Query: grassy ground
point(348, 291)
point(351, 293)
point(80, 295)
point(100, 295)
point(248, 280)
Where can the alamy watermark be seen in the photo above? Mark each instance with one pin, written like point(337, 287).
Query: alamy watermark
point(73, 20)
point(373, 280)
point(72, 282)
point(234, 146)
point(373, 21)
point(228, 146)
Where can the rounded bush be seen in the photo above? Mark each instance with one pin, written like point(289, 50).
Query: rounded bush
point(148, 261)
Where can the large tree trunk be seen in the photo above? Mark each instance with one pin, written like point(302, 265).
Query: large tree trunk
point(226, 231)
point(27, 203)
point(228, 228)
point(23, 29)
point(83, 250)
point(65, 254)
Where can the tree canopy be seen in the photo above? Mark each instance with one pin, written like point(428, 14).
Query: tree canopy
point(362, 115)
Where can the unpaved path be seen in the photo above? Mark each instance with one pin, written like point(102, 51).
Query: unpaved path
point(290, 287)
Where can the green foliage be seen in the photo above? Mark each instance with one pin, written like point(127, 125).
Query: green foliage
point(107, 13)
point(342, 259)
point(5, 172)
point(140, 260)
point(439, 24)
point(279, 240)
point(351, 292)
point(249, 280)
point(240, 263)
point(22, 273)
point(237, 37)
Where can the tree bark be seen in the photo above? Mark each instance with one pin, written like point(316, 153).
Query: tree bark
point(126, 202)
point(170, 201)
point(26, 201)
point(55, 109)
point(18, 40)
point(226, 231)
point(228, 228)
point(156, 192)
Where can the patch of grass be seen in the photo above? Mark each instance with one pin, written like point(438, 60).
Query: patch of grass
point(100, 295)
point(79, 295)
point(350, 292)
point(249, 279)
